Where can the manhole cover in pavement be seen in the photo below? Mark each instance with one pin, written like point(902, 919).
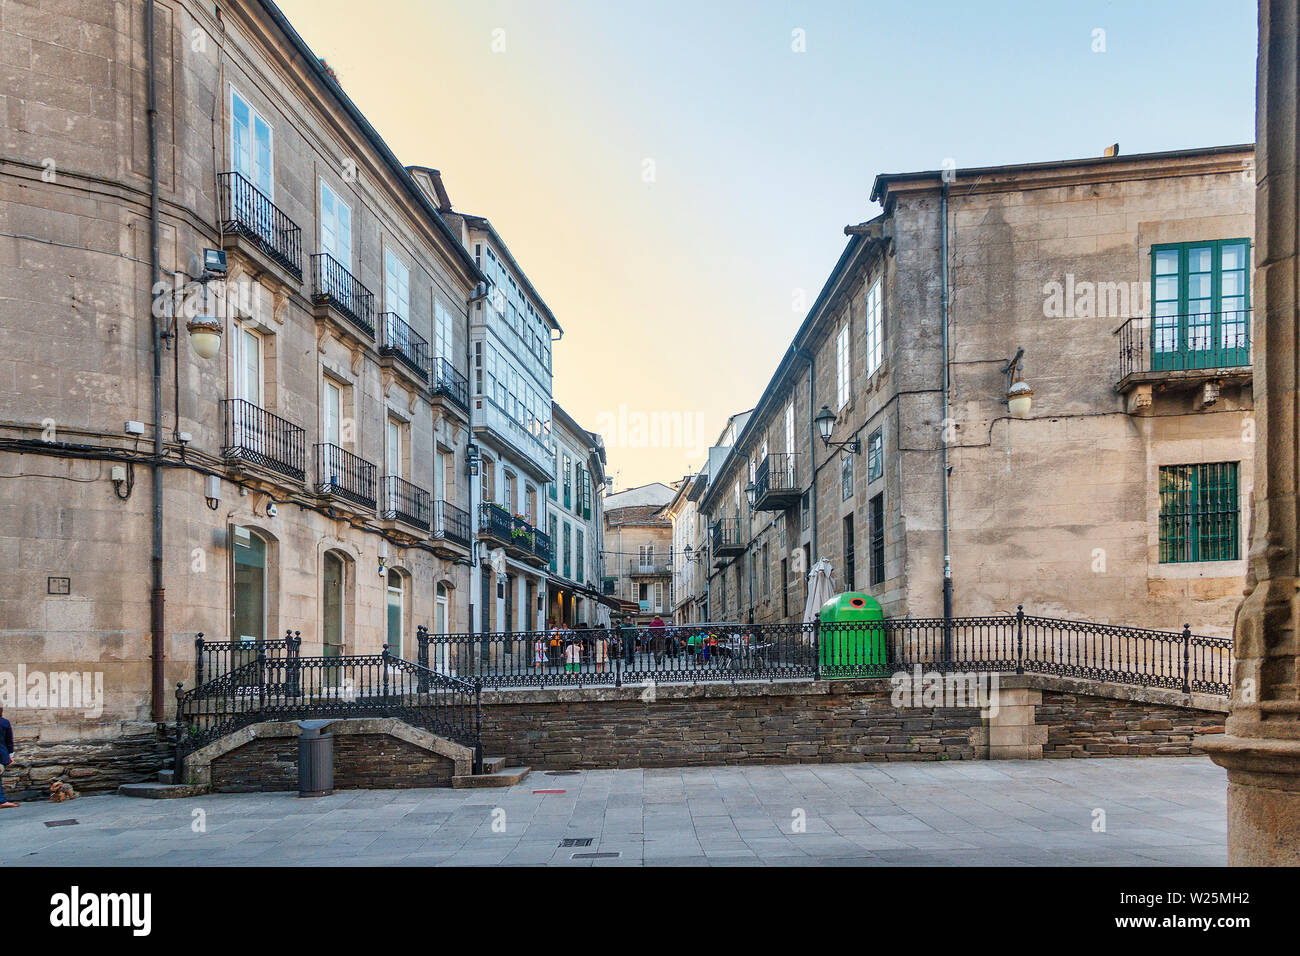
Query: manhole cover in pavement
point(595, 856)
point(60, 823)
point(576, 841)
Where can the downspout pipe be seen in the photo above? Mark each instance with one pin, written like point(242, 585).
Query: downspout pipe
point(157, 603)
point(943, 436)
point(812, 450)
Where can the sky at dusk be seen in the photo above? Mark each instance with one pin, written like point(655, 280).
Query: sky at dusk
point(675, 177)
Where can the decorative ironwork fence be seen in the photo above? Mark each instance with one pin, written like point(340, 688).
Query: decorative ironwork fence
point(288, 687)
point(253, 434)
point(726, 653)
point(246, 210)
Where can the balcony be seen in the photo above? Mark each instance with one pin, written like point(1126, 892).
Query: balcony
point(404, 502)
point(451, 524)
point(502, 529)
point(252, 224)
point(449, 382)
point(341, 474)
point(541, 548)
point(1207, 351)
point(725, 535)
point(255, 436)
point(649, 567)
point(776, 483)
point(336, 291)
point(500, 426)
point(408, 349)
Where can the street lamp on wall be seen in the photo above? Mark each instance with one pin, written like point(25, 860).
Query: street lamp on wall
point(1020, 397)
point(472, 458)
point(751, 493)
point(204, 329)
point(825, 422)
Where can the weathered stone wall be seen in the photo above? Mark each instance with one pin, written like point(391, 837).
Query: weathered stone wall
point(94, 766)
point(361, 762)
point(1079, 725)
point(714, 726)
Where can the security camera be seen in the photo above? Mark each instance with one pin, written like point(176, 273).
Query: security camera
point(270, 510)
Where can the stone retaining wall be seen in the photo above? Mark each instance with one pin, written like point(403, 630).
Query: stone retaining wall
point(1084, 726)
point(827, 722)
point(91, 766)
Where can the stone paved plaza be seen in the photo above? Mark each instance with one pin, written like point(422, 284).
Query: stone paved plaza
point(1166, 811)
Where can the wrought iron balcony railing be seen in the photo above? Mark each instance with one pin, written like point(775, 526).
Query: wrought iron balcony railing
point(254, 435)
point(450, 382)
point(1182, 343)
point(776, 482)
point(451, 523)
point(726, 537)
point(542, 545)
point(405, 344)
point(246, 211)
point(405, 502)
point(344, 475)
point(496, 522)
point(334, 286)
point(649, 566)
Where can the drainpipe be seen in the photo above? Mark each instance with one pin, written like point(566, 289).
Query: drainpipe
point(943, 437)
point(156, 471)
point(812, 451)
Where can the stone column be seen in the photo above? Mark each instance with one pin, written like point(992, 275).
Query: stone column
point(1261, 748)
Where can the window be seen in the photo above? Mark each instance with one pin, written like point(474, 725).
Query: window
point(1199, 512)
point(248, 604)
point(395, 443)
point(877, 569)
point(396, 612)
point(331, 413)
point(555, 484)
point(336, 232)
point(586, 494)
point(397, 286)
point(582, 557)
point(333, 634)
point(250, 145)
point(567, 473)
point(842, 367)
point(875, 455)
point(1200, 304)
point(442, 333)
point(766, 572)
point(846, 476)
point(568, 550)
point(785, 588)
point(789, 427)
point(553, 530)
point(803, 512)
point(875, 329)
point(247, 357)
point(848, 553)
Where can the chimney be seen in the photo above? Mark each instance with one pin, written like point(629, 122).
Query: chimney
point(1111, 151)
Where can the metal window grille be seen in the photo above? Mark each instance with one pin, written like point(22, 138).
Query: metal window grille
point(1199, 512)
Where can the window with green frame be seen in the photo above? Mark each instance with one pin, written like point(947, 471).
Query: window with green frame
point(568, 550)
point(567, 472)
point(1200, 512)
point(586, 494)
point(1200, 304)
point(552, 527)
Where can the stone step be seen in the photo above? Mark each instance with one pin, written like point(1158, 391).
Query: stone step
point(493, 764)
point(166, 776)
point(506, 777)
point(160, 791)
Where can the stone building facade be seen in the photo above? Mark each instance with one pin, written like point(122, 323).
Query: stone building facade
point(314, 470)
point(639, 551)
point(576, 525)
point(1118, 288)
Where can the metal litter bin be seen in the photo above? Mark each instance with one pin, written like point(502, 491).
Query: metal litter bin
point(315, 759)
point(850, 646)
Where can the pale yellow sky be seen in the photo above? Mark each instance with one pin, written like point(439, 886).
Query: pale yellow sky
point(675, 177)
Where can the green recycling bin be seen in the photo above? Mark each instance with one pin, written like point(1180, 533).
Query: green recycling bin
point(849, 645)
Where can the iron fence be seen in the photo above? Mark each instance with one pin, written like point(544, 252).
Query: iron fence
point(247, 211)
point(451, 523)
point(1013, 643)
point(405, 344)
point(403, 501)
point(448, 381)
point(334, 285)
point(255, 435)
point(1174, 343)
point(298, 688)
point(343, 474)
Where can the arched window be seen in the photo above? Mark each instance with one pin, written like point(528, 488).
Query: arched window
point(248, 587)
point(396, 612)
point(333, 630)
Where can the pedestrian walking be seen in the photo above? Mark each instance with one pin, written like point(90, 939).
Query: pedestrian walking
point(657, 638)
point(6, 758)
point(628, 635)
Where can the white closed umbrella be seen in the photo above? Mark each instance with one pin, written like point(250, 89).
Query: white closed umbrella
point(821, 588)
